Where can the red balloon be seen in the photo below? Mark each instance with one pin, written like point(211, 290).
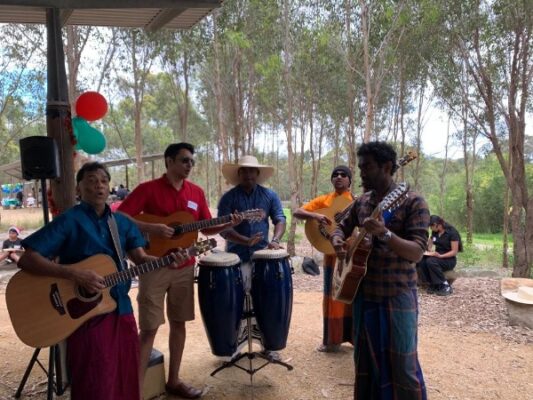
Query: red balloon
point(91, 106)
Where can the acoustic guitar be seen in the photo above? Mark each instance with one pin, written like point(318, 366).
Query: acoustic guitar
point(350, 270)
point(186, 229)
point(319, 234)
point(46, 310)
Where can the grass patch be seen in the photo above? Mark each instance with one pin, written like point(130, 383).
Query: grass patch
point(488, 239)
point(485, 256)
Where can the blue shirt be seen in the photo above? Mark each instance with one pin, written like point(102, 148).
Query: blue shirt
point(79, 233)
point(260, 197)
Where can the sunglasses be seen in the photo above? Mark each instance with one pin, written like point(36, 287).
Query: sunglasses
point(187, 160)
point(341, 174)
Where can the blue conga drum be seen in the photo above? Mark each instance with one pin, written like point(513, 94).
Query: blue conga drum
point(221, 298)
point(272, 296)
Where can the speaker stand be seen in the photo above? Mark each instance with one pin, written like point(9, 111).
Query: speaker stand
point(54, 359)
point(54, 371)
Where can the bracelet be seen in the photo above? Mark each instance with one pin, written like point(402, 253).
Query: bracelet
point(275, 240)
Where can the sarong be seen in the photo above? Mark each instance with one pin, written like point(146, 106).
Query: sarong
point(337, 315)
point(385, 351)
point(103, 359)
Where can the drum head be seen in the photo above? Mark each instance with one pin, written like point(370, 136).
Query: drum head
point(219, 259)
point(270, 254)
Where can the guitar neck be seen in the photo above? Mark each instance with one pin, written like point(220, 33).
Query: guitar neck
point(127, 274)
point(199, 225)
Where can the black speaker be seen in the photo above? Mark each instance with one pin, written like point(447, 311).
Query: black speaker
point(39, 158)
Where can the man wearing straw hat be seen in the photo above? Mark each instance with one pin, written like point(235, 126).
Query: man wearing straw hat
point(244, 239)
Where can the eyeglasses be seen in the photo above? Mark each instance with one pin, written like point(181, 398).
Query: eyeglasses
point(187, 160)
point(341, 174)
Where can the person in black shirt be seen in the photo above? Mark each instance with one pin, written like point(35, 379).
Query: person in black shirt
point(447, 242)
point(11, 248)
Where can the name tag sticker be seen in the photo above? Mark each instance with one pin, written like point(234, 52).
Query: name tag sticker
point(192, 205)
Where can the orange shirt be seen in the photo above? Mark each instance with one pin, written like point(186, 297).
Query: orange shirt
point(325, 201)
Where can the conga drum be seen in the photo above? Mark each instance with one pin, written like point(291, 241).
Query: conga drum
point(272, 296)
point(221, 298)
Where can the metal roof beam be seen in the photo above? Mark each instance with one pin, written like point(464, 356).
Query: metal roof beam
point(103, 4)
point(163, 18)
point(64, 15)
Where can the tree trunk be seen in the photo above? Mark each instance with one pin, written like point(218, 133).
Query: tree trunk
point(350, 93)
point(184, 108)
point(442, 180)
point(287, 77)
point(221, 129)
point(137, 97)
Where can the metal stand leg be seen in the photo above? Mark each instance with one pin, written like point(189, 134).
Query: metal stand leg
point(54, 371)
point(54, 358)
point(250, 354)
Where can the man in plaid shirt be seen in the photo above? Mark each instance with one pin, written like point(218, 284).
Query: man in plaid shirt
point(385, 308)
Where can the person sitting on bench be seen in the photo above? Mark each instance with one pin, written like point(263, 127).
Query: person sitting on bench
point(431, 268)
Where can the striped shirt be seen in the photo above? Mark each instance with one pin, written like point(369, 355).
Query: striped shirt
point(387, 273)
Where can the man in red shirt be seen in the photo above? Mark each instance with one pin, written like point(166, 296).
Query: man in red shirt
point(162, 197)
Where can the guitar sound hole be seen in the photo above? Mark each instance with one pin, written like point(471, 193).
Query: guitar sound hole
point(86, 295)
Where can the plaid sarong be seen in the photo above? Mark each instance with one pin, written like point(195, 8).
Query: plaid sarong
point(386, 358)
point(337, 316)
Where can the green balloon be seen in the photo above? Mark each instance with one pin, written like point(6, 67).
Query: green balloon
point(79, 125)
point(91, 140)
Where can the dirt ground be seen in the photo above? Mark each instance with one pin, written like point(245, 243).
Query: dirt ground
point(467, 350)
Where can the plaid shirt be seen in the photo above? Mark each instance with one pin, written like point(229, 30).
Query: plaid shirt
point(387, 273)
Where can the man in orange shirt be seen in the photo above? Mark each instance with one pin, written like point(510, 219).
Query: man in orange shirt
point(337, 315)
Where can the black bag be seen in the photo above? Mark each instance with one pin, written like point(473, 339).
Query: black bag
point(309, 266)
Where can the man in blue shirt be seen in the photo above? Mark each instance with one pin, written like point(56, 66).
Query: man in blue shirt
point(103, 353)
point(247, 237)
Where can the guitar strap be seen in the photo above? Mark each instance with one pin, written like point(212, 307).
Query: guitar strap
point(112, 223)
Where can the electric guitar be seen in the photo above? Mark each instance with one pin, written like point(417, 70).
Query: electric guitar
point(45, 310)
point(350, 270)
point(186, 229)
point(319, 234)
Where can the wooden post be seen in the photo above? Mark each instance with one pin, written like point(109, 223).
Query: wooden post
point(58, 115)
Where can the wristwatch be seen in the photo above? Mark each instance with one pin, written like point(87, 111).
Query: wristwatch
point(386, 236)
point(275, 240)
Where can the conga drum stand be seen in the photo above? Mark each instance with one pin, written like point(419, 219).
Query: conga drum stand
point(250, 354)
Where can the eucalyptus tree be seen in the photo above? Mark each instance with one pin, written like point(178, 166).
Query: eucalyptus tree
point(136, 58)
point(493, 40)
point(22, 86)
point(182, 54)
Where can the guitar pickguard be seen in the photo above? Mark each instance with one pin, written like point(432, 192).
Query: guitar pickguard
point(78, 308)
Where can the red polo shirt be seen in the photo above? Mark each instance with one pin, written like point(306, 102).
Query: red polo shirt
point(159, 197)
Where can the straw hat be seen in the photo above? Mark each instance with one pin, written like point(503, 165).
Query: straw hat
point(231, 171)
point(523, 295)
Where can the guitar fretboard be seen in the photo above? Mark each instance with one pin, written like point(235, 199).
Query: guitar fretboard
point(199, 225)
point(127, 274)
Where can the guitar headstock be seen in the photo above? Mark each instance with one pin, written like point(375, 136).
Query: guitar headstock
point(255, 215)
point(410, 156)
point(395, 197)
point(201, 247)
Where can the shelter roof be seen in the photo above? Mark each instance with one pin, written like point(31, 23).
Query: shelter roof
point(14, 169)
point(150, 15)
